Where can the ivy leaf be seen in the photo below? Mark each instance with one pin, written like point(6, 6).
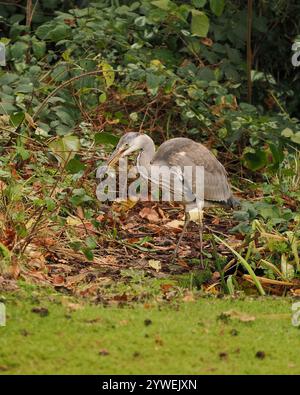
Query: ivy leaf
point(18, 50)
point(16, 118)
point(163, 4)
point(154, 82)
point(296, 138)
point(75, 166)
point(199, 3)
point(64, 148)
point(287, 132)
point(277, 153)
point(38, 48)
point(20, 150)
point(106, 139)
point(217, 6)
point(199, 24)
point(255, 159)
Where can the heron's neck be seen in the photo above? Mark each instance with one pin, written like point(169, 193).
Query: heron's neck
point(148, 150)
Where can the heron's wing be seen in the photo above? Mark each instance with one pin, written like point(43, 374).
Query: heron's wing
point(185, 152)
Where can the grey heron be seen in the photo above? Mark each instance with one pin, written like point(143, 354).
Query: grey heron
point(177, 153)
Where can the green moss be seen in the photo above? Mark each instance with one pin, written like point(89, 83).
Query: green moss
point(186, 338)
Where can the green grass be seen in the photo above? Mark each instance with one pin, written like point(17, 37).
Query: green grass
point(184, 338)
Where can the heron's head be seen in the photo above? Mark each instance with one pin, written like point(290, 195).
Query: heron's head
point(128, 144)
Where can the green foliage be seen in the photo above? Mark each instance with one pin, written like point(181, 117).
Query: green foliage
point(148, 44)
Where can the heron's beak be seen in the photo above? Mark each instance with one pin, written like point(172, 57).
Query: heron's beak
point(115, 156)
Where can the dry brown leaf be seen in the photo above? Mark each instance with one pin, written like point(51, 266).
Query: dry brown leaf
point(243, 317)
point(30, 121)
point(207, 41)
point(216, 221)
point(161, 213)
point(150, 214)
point(156, 265)
point(2, 186)
point(175, 224)
point(166, 287)
point(189, 297)
point(58, 280)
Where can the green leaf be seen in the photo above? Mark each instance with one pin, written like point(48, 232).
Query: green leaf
point(4, 251)
point(18, 50)
point(277, 153)
point(16, 118)
point(38, 48)
point(102, 98)
point(255, 159)
point(106, 138)
point(53, 31)
point(88, 253)
point(287, 132)
point(20, 150)
point(7, 108)
point(154, 82)
point(163, 4)
point(64, 148)
point(296, 138)
point(75, 166)
point(217, 6)
point(230, 285)
point(108, 74)
point(199, 3)
point(50, 203)
point(199, 24)
point(91, 242)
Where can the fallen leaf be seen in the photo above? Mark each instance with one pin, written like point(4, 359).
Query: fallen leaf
point(216, 221)
point(2, 186)
point(150, 214)
point(155, 264)
point(215, 276)
point(207, 41)
point(161, 213)
point(243, 317)
point(58, 280)
point(74, 221)
point(189, 297)
point(166, 287)
point(30, 121)
point(176, 224)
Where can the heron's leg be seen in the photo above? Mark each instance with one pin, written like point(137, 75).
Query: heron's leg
point(186, 222)
point(200, 216)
